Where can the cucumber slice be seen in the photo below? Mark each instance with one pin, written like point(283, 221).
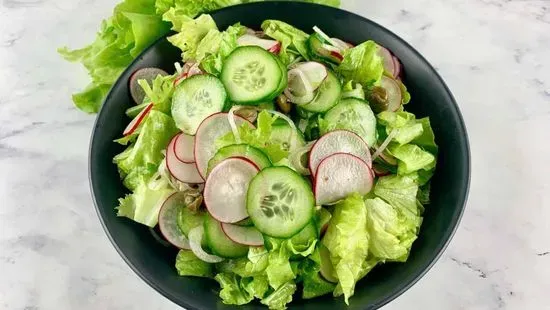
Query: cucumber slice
point(240, 150)
point(196, 98)
point(327, 96)
point(188, 220)
point(280, 202)
point(219, 243)
point(282, 133)
point(251, 74)
point(354, 115)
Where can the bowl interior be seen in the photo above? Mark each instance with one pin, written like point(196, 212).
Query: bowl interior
point(430, 97)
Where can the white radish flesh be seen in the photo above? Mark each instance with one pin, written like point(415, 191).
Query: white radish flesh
point(184, 148)
point(168, 220)
point(243, 235)
point(249, 39)
point(387, 59)
point(184, 172)
point(195, 237)
point(340, 175)
point(226, 187)
point(393, 92)
point(338, 141)
point(134, 124)
point(315, 72)
point(211, 128)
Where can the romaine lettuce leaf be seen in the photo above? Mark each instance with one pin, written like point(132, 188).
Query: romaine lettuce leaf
point(366, 267)
point(280, 297)
point(391, 233)
point(279, 270)
point(160, 92)
point(347, 240)
point(253, 265)
point(187, 264)
point(362, 64)
point(427, 139)
point(315, 286)
point(256, 286)
point(190, 32)
point(293, 40)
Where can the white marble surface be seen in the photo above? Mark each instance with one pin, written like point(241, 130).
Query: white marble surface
point(494, 54)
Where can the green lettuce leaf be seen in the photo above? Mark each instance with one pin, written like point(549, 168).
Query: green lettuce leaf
point(187, 264)
point(362, 64)
point(133, 26)
point(353, 90)
point(427, 139)
point(280, 297)
point(347, 240)
point(315, 286)
point(279, 270)
point(232, 292)
point(160, 92)
point(391, 233)
point(190, 32)
point(411, 158)
point(144, 204)
point(259, 137)
point(256, 286)
point(251, 266)
point(216, 46)
point(400, 192)
point(293, 40)
point(366, 267)
point(140, 160)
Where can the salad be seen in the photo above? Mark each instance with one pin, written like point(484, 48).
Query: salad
point(281, 163)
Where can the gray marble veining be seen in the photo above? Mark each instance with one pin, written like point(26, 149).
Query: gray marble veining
point(494, 55)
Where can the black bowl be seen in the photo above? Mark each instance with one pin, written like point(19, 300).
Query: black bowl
point(154, 263)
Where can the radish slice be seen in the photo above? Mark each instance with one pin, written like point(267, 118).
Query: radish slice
point(184, 148)
point(337, 55)
point(211, 128)
point(225, 189)
point(275, 49)
point(195, 237)
point(387, 58)
point(184, 172)
point(393, 92)
point(248, 39)
point(168, 222)
point(315, 72)
point(339, 175)
point(243, 235)
point(134, 124)
point(343, 45)
point(379, 171)
point(397, 65)
point(299, 89)
point(147, 74)
point(338, 141)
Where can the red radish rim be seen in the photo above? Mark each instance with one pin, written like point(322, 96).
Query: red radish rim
point(337, 55)
point(176, 153)
point(206, 185)
point(198, 130)
point(171, 146)
point(223, 225)
point(276, 48)
point(132, 126)
point(314, 144)
point(369, 169)
point(160, 226)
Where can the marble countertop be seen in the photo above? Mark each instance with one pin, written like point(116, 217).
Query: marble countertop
point(494, 55)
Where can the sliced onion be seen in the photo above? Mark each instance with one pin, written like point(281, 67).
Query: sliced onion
point(324, 36)
point(179, 69)
point(296, 156)
point(195, 238)
point(343, 45)
point(308, 88)
point(384, 144)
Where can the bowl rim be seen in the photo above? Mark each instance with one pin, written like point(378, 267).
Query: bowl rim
point(397, 290)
